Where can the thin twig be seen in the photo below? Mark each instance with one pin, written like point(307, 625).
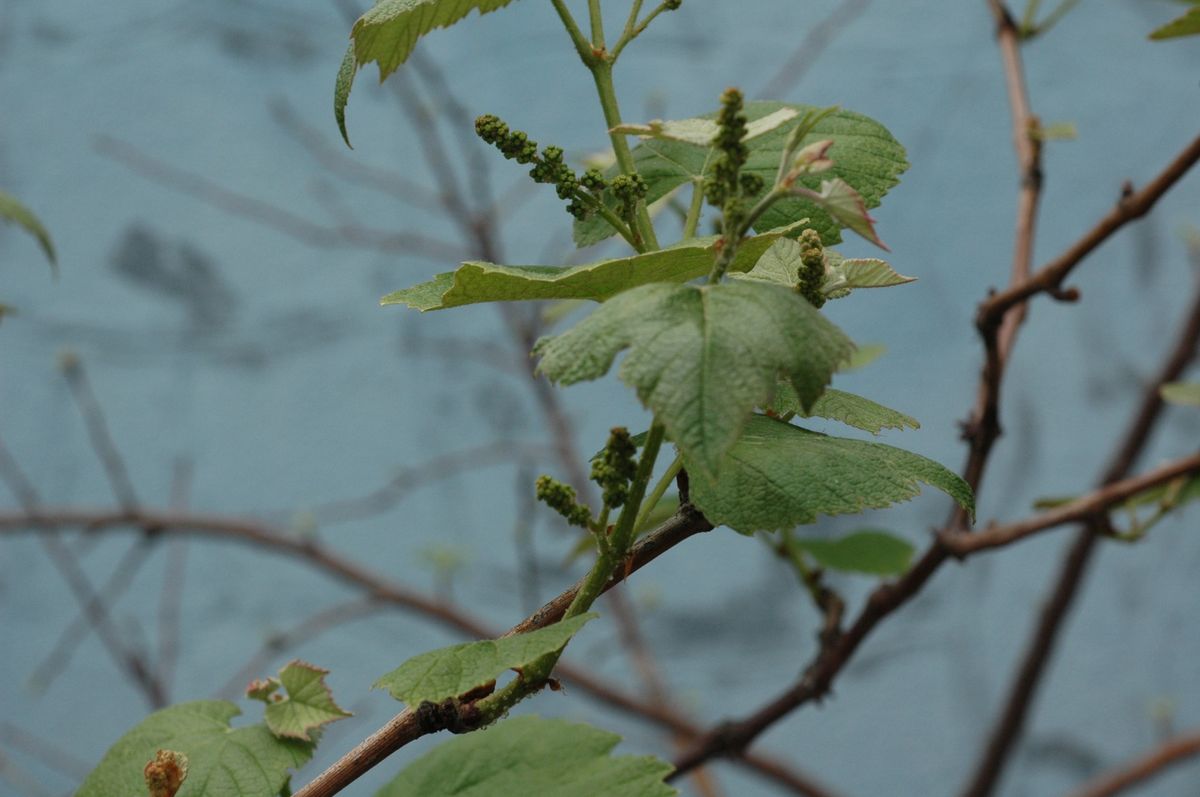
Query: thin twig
point(170, 603)
point(1151, 765)
point(273, 216)
point(1131, 205)
point(92, 604)
point(731, 738)
point(1084, 508)
point(98, 433)
point(1042, 641)
point(982, 429)
point(310, 627)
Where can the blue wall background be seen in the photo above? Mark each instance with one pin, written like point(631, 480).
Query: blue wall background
point(275, 373)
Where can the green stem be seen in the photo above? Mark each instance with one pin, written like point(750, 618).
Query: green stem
point(693, 215)
point(630, 23)
point(616, 222)
point(660, 489)
point(534, 675)
point(1053, 18)
point(603, 76)
point(733, 238)
point(634, 29)
point(597, 20)
point(582, 46)
point(1029, 18)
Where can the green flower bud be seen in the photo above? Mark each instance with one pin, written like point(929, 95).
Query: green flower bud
point(561, 498)
point(811, 274)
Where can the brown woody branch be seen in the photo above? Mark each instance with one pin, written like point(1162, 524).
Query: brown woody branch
point(999, 336)
point(1042, 641)
point(1136, 772)
point(1088, 507)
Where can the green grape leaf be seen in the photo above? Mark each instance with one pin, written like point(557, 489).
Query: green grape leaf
point(341, 91)
point(702, 131)
point(873, 552)
point(848, 408)
point(779, 476)
point(843, 275)
point(781, 264)
point(476, 282)
point(847, 207)
point(387, 35)
point(388, 32)
point(12, 210)
point(447, 672)
point(307, 706)
point(865, 156)
point(529, 755)
point(221, 760)
point(1181, 393)
point(702, 357)
point(1186, 25)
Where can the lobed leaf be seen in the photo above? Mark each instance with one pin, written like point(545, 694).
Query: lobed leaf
point(447, 672)
point(221, 760)
point(308, 705)
point(847, 207)
point(702, 131)
point(781, 264)
point(865, 156)
point(388, 32)
point(873, 552)
point(12, 210)
point(779, 476)
point(848, 408)
point(527, 756)
point(387, 35)
point(843, 275)
point(476, 281)
point(702, 357)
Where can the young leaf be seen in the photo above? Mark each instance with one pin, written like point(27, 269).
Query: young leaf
point(447, 672)
point(1181, 393)
point(165, 773)
point(12, 210)
point(476, 282)
point(781, 264)
point(341, 91)
point(222, 761)
point(864, 355)
point(873, 552)
point(388, 32)
point(837, 405)
point(1186, 25)
point(387, 35)
point(702, 357)
point(307, 706)
point(778, 476)
point(843, 275)
point(864, 153)
point(847, 207)
point(700, 132)
point(527, 756)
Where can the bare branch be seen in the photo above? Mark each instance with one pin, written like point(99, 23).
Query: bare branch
point(273, 216)
point(1151, 765)
point(1084, 508)
point(1041, 644)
